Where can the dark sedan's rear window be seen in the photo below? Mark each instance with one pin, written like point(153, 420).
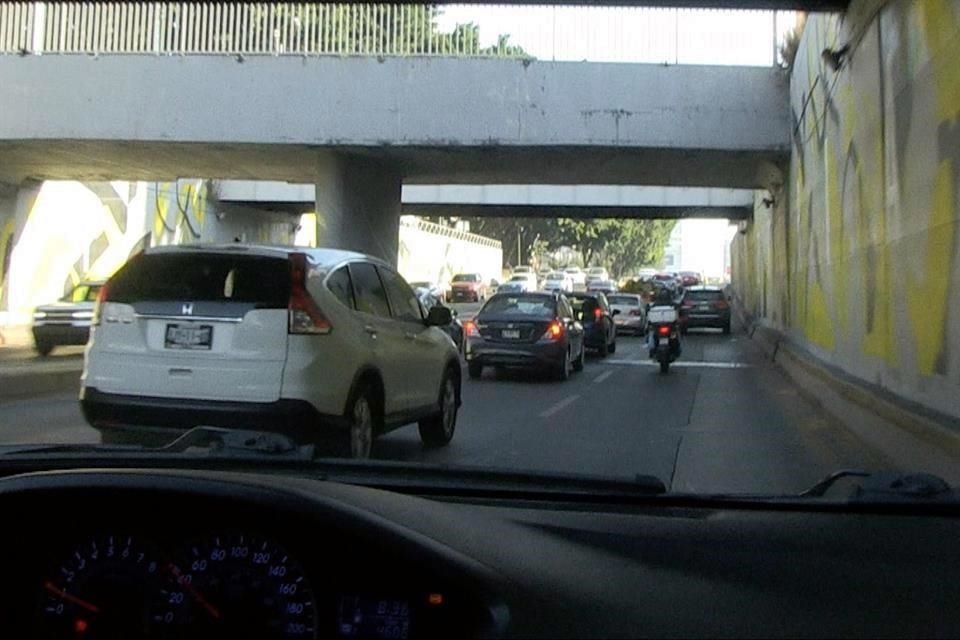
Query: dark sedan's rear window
point(711, 294)
point(584, 306)
point(209, 277)
point(536, 306)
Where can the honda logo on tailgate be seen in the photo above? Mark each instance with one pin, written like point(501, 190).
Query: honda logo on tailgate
point(187, 309)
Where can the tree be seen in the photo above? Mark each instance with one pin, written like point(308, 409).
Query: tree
point(622, 245)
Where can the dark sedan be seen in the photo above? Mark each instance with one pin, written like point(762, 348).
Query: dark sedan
point(596, 316)
point(525, 330)
point(705, 307)
point(455, 328)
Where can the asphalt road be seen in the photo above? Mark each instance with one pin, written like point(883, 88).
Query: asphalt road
point(722, 420)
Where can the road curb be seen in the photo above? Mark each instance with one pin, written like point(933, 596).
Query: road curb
point(939, 432)
point(18, 385)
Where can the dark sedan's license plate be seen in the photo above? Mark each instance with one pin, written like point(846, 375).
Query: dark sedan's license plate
point(512, 334)
point(181, 336)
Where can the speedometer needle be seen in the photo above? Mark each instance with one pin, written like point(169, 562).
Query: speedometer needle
point(72, 599)
point(196, 595)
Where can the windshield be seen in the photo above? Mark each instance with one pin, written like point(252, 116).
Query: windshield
point(309, 218)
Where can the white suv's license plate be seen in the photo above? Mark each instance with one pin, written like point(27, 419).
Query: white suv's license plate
point(510, 333)
point(181, 336)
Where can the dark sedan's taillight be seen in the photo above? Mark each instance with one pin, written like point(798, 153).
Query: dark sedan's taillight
point(554, 331)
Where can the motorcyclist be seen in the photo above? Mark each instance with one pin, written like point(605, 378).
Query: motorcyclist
point(663, 296)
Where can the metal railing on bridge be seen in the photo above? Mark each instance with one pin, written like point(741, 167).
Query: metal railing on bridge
point(308, 29)
point(242, 28)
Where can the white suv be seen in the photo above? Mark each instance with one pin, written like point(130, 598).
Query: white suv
point(314, 343)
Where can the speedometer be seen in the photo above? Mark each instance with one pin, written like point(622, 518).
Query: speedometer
point(101, 590)
point(234, 586)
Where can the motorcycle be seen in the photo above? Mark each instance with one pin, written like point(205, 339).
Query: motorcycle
point(664, 335)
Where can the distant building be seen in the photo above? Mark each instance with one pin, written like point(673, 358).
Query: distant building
point(673, 254)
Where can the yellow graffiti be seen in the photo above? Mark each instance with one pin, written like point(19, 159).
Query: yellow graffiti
point(880, 341)
point(819, 326)
point(838, 266)
point(940, 33)
point(929, 294)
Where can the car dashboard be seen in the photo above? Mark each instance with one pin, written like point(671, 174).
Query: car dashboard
point(154, 553)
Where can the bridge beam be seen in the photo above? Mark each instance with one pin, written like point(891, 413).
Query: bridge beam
point(575, 211)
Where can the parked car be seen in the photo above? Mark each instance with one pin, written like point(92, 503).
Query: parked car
point(518, 284)
point(432, 288)
point(578, 276)
point(630, 313)
point(66, 322)
point(705, 307)
point(558, 281)
point(454, 329)
point(521, 269)
point(603, 286)
point(526, 330)
point(467, 287)
point(244, 336)
point(594, 313)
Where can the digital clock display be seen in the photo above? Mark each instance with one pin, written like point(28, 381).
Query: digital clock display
point(362, 617)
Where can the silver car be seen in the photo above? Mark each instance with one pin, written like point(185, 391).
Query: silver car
point(66, 322)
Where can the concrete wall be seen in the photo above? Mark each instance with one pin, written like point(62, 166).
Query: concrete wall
point(857, 260)
point(434, 253)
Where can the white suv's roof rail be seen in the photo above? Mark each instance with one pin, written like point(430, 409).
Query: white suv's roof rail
point(321, 256)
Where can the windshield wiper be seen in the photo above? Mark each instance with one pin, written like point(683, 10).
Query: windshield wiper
point(216, 442)
point(888, 486)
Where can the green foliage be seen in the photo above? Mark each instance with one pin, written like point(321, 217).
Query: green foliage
point(620, 245)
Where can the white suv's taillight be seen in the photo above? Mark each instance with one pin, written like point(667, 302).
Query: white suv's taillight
point(305, 317)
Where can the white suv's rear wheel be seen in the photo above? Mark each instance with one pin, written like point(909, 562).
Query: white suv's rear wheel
point(437, 430)
point(361, 424)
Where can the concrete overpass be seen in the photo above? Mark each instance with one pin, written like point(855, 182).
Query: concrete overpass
point(361, 127)
point(427, 120)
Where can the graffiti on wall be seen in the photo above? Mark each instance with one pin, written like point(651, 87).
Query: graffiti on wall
point(870, 222)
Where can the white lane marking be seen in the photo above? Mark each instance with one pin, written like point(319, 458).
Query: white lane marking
point(683, 363)
point(603, 376)
point(560, 405)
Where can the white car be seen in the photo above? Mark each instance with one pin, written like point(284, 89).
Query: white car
point(558, 281)
point(633, 312)
point(578, 276)
point(597, 273)
point(519, 283)
point(315, 343)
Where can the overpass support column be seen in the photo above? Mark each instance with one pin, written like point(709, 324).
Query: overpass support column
point(358, 206)
point(15, 204)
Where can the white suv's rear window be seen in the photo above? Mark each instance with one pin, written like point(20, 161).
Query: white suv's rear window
point(258, 280)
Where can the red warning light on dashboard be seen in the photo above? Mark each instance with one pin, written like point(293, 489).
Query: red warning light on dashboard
point(435, 599)
point(80, 625)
